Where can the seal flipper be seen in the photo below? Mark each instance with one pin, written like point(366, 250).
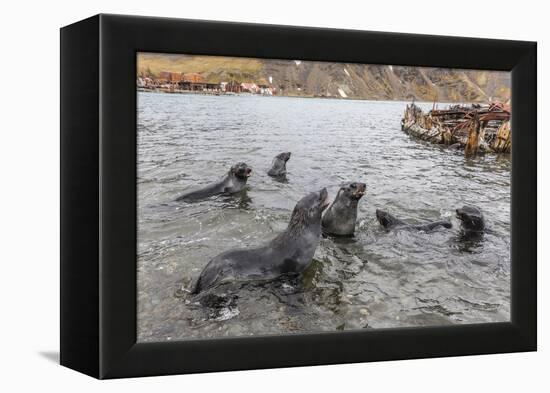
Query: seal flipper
point(390, 222)
point(447, 224)
point(201, 283)
point(196, 286)
point(434, 225)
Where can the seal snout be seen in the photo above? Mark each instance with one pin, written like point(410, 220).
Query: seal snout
point(241, 170)
point(360, 190)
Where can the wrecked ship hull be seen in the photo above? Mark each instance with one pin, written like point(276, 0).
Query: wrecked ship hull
point(473, 128)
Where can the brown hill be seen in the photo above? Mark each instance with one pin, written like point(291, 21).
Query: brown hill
point(359, 81)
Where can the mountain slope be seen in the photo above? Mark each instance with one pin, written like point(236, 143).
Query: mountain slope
point(361, 81)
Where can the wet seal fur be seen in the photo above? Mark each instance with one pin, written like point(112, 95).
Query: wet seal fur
point(341, 216)
point(471, 219)
point(472, 229)
point(290, 252)
point(278, 166)
point(233, 182)
point(391, 222)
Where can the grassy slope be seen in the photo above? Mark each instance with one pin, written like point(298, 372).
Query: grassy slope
point(156, 63)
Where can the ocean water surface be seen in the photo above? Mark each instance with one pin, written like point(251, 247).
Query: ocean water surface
point(376, 279)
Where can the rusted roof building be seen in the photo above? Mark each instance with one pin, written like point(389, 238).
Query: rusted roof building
point(193, 77)
point(172, 77)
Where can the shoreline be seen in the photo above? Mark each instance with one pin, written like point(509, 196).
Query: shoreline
point(219, 93)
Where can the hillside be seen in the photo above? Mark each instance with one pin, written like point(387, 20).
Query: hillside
point(306, 78)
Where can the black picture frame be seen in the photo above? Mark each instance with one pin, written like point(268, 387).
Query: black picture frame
point(98, 196)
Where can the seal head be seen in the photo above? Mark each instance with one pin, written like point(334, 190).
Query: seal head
point(241, 171)
point(307, 212)
point(471, 218)
point(387, 220)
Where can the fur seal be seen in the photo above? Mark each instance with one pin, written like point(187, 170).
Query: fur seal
point(340, 217)
point(471, 218)
point(278, 166)
point(472, 228)
point(233, 182)
point(290, 252)
point(390, 222)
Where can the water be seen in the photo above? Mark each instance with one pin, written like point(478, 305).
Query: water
point(375, 280)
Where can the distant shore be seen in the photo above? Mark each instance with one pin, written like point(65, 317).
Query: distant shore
point(221, 93)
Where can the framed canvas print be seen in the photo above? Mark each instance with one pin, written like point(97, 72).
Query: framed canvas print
point(238, 196)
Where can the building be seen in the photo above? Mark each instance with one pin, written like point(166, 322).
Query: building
point(265, 90)
point(171, 77)
point(232, 87)
point(249, 87)
point(199, 86)
point(193, 77)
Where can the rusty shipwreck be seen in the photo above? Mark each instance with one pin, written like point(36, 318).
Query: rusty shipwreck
point(475, 128)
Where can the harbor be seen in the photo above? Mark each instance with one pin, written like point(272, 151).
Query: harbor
point(175, 82)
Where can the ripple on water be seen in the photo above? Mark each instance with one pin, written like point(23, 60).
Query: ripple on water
point(375, 280)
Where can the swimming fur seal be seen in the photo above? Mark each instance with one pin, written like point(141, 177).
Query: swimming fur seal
point(340, 217)
point(233, 182)
point(390, 222)
point(471, 218)
point(289, 252)
point(278, 167)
